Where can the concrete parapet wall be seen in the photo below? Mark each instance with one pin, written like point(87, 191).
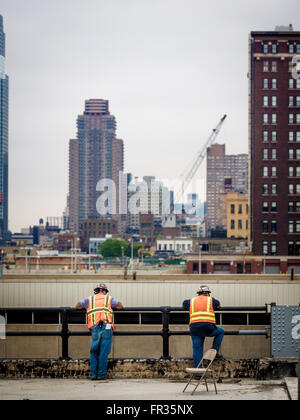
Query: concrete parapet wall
point(148, 368)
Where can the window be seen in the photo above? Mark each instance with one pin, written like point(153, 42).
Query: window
point(240, 209)
point(274, 100)
point(274, 118)
point(291, 206)
point(265, 206)
point(298, 171)
point(265, 83)
point(291, 118)
point(265, 136)
point(291, 248)
point(291, 226)
point(240, 225)
point(291, 188)
point(274, 48)
point(265, 189)
point(265, 118)
point(291, 136)
point(297, 100)
point(265, 48)
point(297, 226)
point(291, 48)
point(274, 153)
point(273, 226)
point(274, 171)
point(291, 171)
point(265, 248)
point(274, 66)
point(297, 249)
point(274, 136)
point(298, 84)
point(265, 171)
point(298, 189)
point(298, 136)
point(291, 83)
point(265, 226)
point(297, 154)
point(232, 208)
point(297, 206)
point(298, 49)
point(273, 248)
point(265, 101)
point(291, 101)
point(265, 66)
point(274, 83)
point(291, 153)
point(231, 224)
point(274, 188)
point(274, 206)
point(265, 153)
point(297, 118)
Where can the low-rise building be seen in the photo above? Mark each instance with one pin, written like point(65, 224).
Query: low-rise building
point(174, 245)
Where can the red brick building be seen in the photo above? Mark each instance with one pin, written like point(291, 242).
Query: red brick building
point(274, 139)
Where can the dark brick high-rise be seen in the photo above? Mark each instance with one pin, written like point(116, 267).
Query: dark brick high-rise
point(274, 142)
point(3, 140)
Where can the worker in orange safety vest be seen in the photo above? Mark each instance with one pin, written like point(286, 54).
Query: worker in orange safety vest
point(203, 322)
point(99, 309)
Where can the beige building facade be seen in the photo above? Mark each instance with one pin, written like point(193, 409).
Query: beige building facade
point(237, 215)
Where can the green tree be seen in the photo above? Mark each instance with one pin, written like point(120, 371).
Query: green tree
point(113, 248)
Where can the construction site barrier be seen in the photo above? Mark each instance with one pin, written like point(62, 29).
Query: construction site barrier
point(165, 332)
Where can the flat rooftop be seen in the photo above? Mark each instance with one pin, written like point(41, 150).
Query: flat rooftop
point(138, 390)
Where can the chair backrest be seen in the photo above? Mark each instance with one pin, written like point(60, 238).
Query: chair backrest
point(210, 355)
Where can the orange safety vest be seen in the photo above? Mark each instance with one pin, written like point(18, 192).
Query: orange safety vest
point(99, 309)
point(201, 310)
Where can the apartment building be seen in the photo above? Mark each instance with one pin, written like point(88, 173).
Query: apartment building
point(274, 142)
point(222, 167)
point(96, 154)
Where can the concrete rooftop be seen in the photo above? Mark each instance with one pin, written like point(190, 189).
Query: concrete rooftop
point(145, 389)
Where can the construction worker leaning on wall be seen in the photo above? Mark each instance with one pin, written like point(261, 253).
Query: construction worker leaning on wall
point(99, 309)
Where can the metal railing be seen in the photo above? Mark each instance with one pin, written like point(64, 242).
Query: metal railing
point(165, 332)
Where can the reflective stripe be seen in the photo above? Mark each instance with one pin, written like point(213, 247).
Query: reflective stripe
point(92, 307)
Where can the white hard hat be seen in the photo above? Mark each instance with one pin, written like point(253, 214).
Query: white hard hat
point(101, 286)
point(204, 289)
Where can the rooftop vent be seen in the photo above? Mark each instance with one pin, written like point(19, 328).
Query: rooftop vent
point(283, 28)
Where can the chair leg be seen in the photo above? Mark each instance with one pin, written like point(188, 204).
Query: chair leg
point(214, 379)
point(187, 383)
point(206, 384)
point(196, 387)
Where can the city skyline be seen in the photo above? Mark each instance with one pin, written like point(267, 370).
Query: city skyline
point(160, 66)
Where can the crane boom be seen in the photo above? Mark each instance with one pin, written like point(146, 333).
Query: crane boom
point(201, 155)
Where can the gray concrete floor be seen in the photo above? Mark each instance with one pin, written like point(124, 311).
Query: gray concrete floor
point(144, 389)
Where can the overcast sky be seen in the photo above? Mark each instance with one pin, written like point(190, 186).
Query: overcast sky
point(169, 68)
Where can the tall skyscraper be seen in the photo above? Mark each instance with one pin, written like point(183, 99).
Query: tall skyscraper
point(274, 142)
point(3, 139)
point(95, 154)
point(220, 168)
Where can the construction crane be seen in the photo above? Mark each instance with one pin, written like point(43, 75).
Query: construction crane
point(199, 158)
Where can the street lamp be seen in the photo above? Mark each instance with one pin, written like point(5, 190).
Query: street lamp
point(200, 262)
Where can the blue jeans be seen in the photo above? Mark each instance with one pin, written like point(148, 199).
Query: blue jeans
point(198, 342)
point(100, 349)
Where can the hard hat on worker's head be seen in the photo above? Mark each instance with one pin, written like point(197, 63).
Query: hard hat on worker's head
point(100, 287)
point(203, 290)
